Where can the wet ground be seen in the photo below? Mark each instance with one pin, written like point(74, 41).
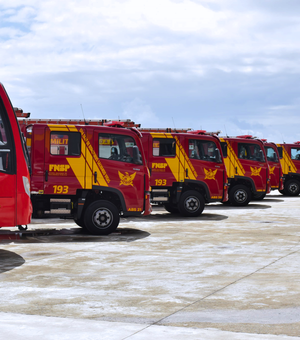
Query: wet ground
point(231, 273)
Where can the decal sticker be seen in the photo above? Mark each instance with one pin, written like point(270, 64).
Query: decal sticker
point(272, 170)
point(59, 167)
point(255, 171)
point(126, 179)
point(159, 167)
point(209, 174)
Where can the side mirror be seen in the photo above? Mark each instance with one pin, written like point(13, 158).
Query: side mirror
point(136, 155)
point(261, 156)
point(218, 156)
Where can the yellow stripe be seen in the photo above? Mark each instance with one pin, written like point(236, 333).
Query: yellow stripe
point(232, 163)
point(180, 162)
point(286, 162)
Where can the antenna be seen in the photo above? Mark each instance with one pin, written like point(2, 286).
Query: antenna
point(83, 115)
point(173, 123)
point(225, 130)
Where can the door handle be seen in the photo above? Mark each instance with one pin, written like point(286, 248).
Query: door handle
point(186, 172)
point(95, 177)
point(46, 176)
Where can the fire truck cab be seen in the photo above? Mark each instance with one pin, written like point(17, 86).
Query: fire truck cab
point(15, 203)
point(247, 169)
point(93, 174)
point(187, 169)
point(290, 161)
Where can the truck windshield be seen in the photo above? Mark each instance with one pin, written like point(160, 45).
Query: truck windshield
point(251, 152)
point(117, 147)
point(271, 154)
point(203, 149)
point(6, 144)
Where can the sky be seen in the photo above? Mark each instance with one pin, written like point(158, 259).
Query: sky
point(226, 65)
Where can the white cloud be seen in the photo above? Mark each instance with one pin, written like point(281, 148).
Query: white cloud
point(139, 112)
point(226, 58)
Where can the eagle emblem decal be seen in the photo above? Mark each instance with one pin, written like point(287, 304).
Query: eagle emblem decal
point(209, 174)
point(126, 179)
point(255, 171)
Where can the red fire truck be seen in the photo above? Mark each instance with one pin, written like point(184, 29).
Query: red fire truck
point(91, 173)
point(15, 203)
point(247, 169)
point(187, 169)
point(276, 175)
point(290, 161)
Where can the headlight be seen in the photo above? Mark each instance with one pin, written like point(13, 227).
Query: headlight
point(26, 185)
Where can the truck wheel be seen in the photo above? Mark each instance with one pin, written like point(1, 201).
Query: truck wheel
point(191, 203)
point(171, 208)
point(239, 195)
point(101, 218)
point(292, 187)
point(258, 197)
point(282, 192)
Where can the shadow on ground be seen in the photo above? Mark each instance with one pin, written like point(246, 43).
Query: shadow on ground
point(250, 206)
point(9, 260)
point(168, 217)
point(70, 235)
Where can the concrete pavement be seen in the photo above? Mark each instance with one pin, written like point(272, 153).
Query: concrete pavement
point(230, 273)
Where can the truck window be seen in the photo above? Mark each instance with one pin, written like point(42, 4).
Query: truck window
point(250, 151)
point(295, 153)
point(271, 154)
point(279, 148)
point(203, 150)
point(224, 148)
point(65, 143)
point(116, 147)
point(165, 147)
point(6, 147)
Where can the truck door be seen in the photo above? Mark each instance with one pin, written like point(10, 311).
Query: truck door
point(295, 156)
point(166, 160)
point(64, 160)
point(251, 156)
point(117, 169)
point(274, 165)
point(206, 165)
point(8, 178)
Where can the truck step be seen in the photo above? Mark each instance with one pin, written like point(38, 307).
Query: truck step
point(60, 206)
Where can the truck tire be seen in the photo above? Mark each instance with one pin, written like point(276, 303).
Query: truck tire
point(292, 187)
point(171, 208)
point(282, 192)
point(101, 218)
point(258, 197)
point(191, 203)
point(79, 222)
point(239, 195)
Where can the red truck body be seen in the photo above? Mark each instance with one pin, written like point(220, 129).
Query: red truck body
point(247, 169)
point(91, 173)
point(15, 203)
point(187, 169)
point(290, 161)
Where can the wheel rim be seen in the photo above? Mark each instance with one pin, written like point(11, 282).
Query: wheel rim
point(294, 188)
point(192, 204)
point(102, 218)
point(240, 196)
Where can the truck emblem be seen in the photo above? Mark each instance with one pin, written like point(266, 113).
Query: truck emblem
point(272, 170)
point(209, 174)
point(126, 179)
point(255, 171)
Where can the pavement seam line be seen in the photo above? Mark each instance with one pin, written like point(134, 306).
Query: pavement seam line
point(217, 291)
